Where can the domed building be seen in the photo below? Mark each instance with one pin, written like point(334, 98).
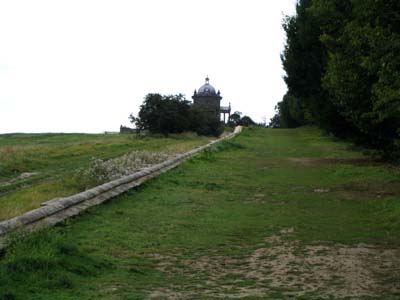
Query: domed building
point(209, 100)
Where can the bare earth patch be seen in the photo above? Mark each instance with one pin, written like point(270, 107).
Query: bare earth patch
point(307, 161)
point(284, 266)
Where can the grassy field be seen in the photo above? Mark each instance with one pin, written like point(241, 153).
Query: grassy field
point(38, 167)
point(272, 214)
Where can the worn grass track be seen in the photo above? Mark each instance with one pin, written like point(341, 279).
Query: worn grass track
point(273, 214)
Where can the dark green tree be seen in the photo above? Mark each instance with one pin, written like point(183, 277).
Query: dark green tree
point(163, 114)
point(246, 121)
point(205, 123)
point(362, 78)
point(275, 121)
point(174, 114)
point(343, 70)
point(234, 119)
point(304, 60)
point(285, 117)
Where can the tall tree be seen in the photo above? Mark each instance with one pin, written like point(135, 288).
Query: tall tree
point(362, 75)
point(304, 60)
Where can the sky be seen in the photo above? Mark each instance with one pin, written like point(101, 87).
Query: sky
point(86, 65)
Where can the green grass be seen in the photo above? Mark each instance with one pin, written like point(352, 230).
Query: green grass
point(219, 206)
point(56, 157)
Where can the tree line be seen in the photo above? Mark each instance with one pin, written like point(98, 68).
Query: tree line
point(342, 63)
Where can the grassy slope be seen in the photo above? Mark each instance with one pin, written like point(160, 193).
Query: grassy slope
point(55, 158)
point(222, 204)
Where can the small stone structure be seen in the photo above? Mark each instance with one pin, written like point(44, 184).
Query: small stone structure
point(209, 100)
point(126, 130)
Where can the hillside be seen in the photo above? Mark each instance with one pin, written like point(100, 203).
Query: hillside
point(272, 214)
point(35, 168)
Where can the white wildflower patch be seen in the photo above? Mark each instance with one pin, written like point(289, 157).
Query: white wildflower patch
point(100, 171)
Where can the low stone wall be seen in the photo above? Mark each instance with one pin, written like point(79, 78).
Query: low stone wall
point(57, 210)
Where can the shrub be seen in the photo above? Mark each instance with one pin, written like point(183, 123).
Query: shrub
point(100, 171)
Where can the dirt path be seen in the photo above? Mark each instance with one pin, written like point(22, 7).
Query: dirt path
point(283, 266)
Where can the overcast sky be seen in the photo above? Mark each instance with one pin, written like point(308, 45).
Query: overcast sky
point(85, 65)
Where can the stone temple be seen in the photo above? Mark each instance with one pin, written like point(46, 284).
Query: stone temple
point(208, 99)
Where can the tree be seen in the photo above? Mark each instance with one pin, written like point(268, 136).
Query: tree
point(275, 121)
point(163, 114)
point(362, 75)
point(246, 121)
point(234, 119)
point(343, 70)
point(174, 114)
point(205, 123)
point(304, 60)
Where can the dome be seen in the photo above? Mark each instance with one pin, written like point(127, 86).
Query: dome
point(207, 88)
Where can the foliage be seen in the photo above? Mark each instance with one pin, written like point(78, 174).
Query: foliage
point(174, 114)
point(246, 121)
point(342, 70)
point(205, 123)
point(275, 121)
point(362, 76)
point(290, 112)
point(235, 119)
point(100, 171)
point(163, 114)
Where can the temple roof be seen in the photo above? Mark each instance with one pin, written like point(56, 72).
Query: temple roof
point(207, 89)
